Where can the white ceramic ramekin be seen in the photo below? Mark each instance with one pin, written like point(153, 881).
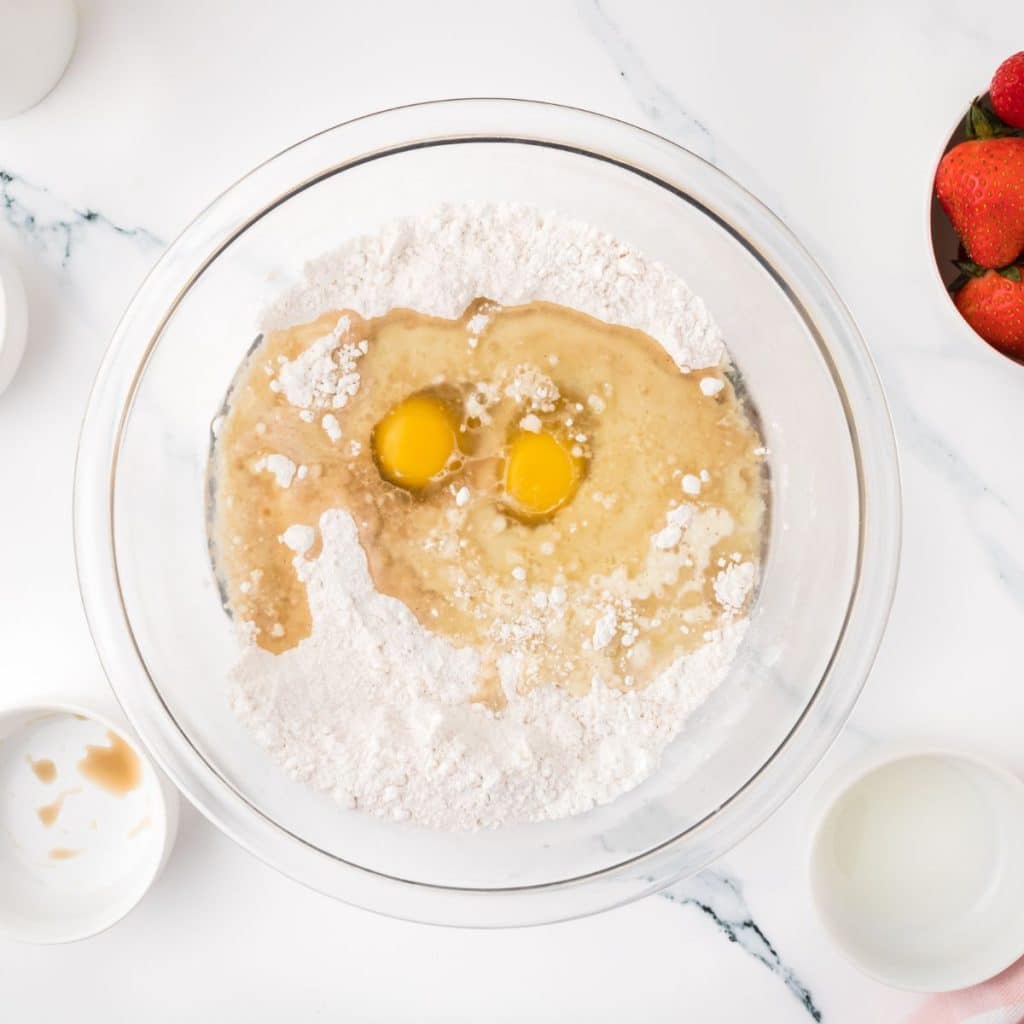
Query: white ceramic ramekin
point(75, 854)
point(917, 868)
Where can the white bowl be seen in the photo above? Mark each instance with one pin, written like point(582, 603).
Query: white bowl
point(13, 321)
point(917, 869)
point(74, 857)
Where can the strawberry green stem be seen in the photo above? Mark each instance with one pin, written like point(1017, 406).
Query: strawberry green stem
point(969, 269)
point(983, 124)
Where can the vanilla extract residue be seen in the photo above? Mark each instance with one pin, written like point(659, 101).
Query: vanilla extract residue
point(43, 769)
point(49, 813)
point(114, 768)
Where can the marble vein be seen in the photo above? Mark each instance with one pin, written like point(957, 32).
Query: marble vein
point(720, 897)
point(53, 224)
point(965, 483)
point(663, 108)
point(654, 98)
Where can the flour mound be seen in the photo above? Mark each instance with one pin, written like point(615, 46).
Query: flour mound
point(511, 253)
point(374, 709)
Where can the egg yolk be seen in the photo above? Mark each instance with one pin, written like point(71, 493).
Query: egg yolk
point(414, 441)
point(541, 474)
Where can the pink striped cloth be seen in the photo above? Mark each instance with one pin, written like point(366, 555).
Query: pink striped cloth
point(1000, 1000)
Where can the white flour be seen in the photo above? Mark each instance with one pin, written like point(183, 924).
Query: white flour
point(437, 264)
point(375, 709)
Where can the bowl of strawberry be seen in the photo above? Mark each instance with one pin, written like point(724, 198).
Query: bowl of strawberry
point(978, 213)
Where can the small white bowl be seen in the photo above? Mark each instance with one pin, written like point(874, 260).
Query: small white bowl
point(35, 48)
point(77, 851)
point(13, 321)
point(917, 869)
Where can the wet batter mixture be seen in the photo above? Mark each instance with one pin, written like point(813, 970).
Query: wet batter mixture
point(489, 510)
point(502, 466)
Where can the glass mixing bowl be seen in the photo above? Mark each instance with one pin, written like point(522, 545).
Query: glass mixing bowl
point(832, 547)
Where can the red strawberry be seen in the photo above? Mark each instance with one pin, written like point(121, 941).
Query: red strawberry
point(980, 184)
point(1007, 90)
point(992, 302)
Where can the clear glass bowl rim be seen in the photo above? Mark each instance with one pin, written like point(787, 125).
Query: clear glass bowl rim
point(681, 172)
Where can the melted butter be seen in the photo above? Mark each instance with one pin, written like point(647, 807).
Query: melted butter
point(43, 769)
point(115, 768)
point(63, 853)
point(469, 570)
point(49, 813)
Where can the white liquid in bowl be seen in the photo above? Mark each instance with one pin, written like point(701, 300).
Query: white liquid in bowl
point(917, 872)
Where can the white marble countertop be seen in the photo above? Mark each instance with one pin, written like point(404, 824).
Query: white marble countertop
point(833, 114)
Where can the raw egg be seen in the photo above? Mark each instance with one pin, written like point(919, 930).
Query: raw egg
point(541, 474)
point(415, 440)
